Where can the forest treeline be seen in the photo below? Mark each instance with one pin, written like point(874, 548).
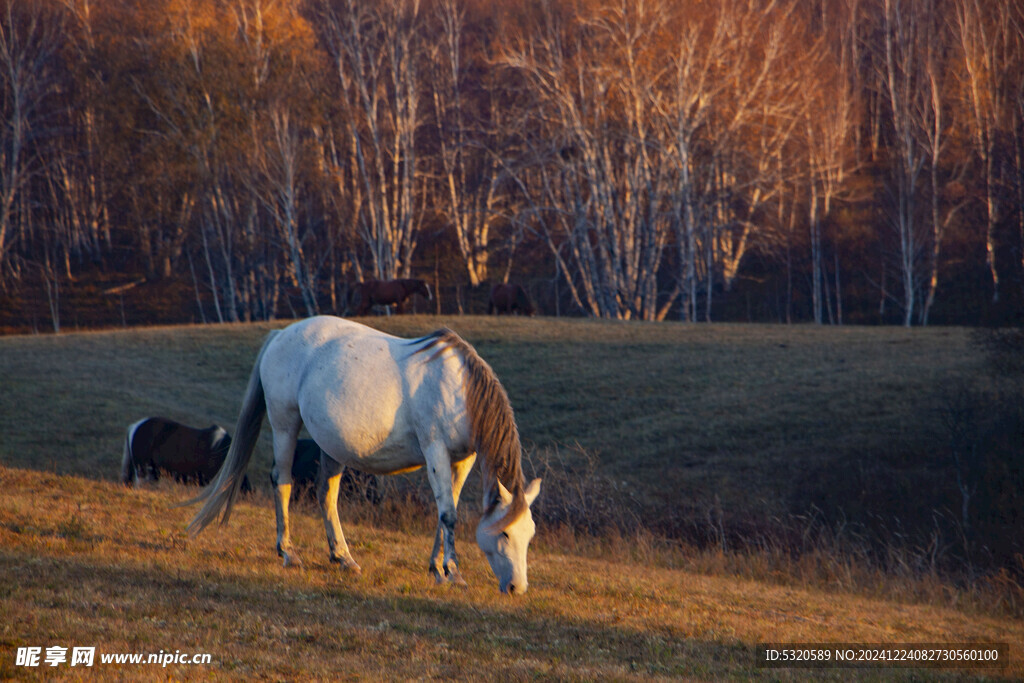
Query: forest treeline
point(784, 160)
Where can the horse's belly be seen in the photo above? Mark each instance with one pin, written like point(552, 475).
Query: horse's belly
point(359, 419)
point(389, 455)
point(387, 462)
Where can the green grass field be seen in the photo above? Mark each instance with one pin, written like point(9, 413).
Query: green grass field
point(687, 412)
point(710, 427)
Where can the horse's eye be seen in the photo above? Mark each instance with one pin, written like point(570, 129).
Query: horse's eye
point(504, 534)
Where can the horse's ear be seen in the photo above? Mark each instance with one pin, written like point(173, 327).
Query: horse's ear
point(506, 497)
point(532, 491)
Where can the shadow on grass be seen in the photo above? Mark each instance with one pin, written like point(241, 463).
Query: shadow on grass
point(254, 627)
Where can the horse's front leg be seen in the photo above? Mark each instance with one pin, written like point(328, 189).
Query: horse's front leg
point(328, 482)
point(444, 563)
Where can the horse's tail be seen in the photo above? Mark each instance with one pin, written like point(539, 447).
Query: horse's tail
point(128, 460)
point(220, 494)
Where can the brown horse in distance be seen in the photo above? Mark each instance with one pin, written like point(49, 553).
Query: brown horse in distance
point(389, 292)
point(509, 299)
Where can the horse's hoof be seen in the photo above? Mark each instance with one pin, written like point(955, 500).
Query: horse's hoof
point(348, 565)
point(291, 560)
point(455, 578)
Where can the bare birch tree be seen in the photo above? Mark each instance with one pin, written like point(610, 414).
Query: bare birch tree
point(687, 110)
point(990, 33)
point(596, 81)
point(904, 84)
point(280, 163)
point(472, 141)
point(82, 171)
point(758, 121)
point(274, 38)
point(188, 120)
point(934, 121)
point(28, 44)
point(377, 51)
point(829, 121)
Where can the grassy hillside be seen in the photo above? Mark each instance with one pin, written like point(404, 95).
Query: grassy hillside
point(725, 433)
point(699, 429)
point(691, 412)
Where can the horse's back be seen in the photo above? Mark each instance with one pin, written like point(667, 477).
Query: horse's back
point(510, 298)
point(320, 329)
point(502, 297)
point(380, 292)
point(160, 440)
point(323, 349)
point(164, 444)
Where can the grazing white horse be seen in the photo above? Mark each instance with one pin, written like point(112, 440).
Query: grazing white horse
point(384, 405)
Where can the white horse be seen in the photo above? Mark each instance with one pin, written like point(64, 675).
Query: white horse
point(383, 405)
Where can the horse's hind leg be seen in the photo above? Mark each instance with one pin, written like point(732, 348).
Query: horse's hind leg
point(364, 303)
point(284, 453)
point(328, 483)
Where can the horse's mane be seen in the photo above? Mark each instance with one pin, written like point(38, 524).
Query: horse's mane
point(492, 423)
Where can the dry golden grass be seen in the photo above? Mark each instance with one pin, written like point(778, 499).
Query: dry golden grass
point(88, 563)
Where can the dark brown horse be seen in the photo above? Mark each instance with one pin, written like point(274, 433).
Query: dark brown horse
point(509, 299)
point(191, 455)
point(306, 471)
point(389, 292)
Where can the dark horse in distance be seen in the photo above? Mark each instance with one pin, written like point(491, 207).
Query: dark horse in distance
point(389, 292)
point(509, 299)
point(191, 455)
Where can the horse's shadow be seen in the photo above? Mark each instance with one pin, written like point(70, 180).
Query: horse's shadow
point(345, 624)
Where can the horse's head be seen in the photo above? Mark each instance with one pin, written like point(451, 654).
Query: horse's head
point(220, 442)
point(523, 302)
point(505, 548)
point(422, 288)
